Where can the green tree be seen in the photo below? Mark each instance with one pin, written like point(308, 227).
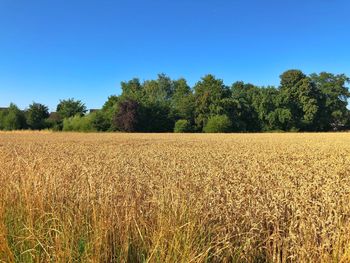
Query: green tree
point(209, 93)
point(78, 123)
point(245, 97)
point(166, 86)
point(70, 107)
point(54, 121)
point(12, 118)
point(290, 78)
point(265, 103)
point(182, 102)
point(279, 119)
point(155, 117)
point(2, 118)
point(218, 124)
point(107, 113)
point(182, 126)
point(132, 90)
point(154, 99)
point(100, 121)
point(36, 116)
point(334, 99)
point(301, 97)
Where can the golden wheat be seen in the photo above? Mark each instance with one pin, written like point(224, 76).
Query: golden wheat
point(69, 197)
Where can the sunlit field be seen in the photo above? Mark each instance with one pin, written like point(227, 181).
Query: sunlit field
point(70, 197)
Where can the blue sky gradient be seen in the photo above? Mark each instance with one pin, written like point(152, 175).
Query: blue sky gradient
point(51, 50)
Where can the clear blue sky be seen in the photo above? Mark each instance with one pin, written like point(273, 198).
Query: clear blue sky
point(54, 49)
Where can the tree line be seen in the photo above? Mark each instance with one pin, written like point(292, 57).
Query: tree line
point(316, 102)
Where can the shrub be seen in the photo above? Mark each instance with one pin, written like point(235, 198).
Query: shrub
point(78, 123)
point(12, 118)
point(182, 126)
point(2, 119)
point(294, 129)
point(218, 123)
point(54, 122)
point(100, 121)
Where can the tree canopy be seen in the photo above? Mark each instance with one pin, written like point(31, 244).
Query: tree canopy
point(315, 102)
point(70, 107)
point(37, 114)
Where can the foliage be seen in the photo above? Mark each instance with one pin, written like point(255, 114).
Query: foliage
point(333, 100)
point(316, 102)
point(127, 117)
point(12, 118)
point(78, 123)
point(182, 126)
point(109, 110)
point(246, 115)
point(54, 121)
point(100, 120)
point(36, 116)
point(218, 124)
point(209, 93)
point(182, 105)
point(155, 117)
point(70, 107)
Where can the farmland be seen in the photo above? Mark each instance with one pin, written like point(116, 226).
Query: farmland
point(115, 197)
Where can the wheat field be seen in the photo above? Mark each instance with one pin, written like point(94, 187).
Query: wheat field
point(70, 197)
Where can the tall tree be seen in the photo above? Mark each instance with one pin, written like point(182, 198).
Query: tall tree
point(271, 109)
point(182, 103)
point(301, 97)
point(246, 96)
point(155, 113)
point(12, 118)
point(127, 117)
point(37, 113)
point(70, 107)
point(209, 93)
point(334, 99)
point(158, 91)
point(132, 89)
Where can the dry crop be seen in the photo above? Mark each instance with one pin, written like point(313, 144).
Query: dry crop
point(69, 197)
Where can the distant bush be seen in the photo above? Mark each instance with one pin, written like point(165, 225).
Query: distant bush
point(54, 122)
point(12, 118)
point(100, 121)
point(293, 129)
point(182, 126)
point(78, 123)
point(217, 124)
